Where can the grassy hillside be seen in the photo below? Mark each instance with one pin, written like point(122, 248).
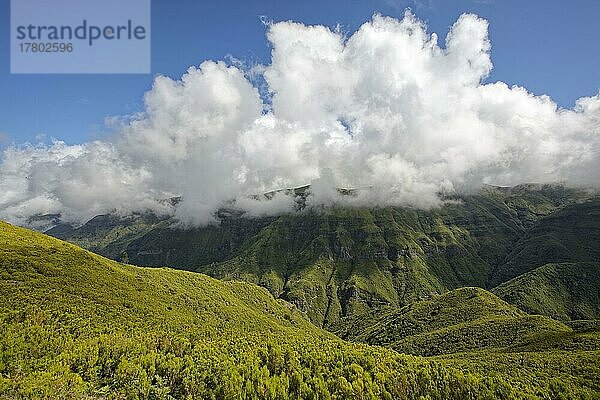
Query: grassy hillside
point(347, 261)
point(562, 291)
point(571, 234)
point(75, 324)
point(462, 320)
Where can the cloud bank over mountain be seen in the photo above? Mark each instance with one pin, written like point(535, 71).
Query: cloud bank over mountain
point(388, 107)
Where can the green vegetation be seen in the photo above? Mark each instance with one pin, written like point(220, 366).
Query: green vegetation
point(473, 330)
point(571, 234)
point(559, 369)
point(145, 239)
point(562, 291)
point(76, 325)
point(344, 262)
point(462, 320)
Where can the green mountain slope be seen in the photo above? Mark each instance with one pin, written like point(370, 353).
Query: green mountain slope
point(347, 261)
point(75, 324)
point(461, 320)
point(148, 240)
point(571, 234)
point(344, 261)
point(562, 291)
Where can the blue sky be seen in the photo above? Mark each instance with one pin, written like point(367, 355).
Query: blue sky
point(550, 47)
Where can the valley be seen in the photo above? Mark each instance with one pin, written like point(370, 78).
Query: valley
point(494, 295)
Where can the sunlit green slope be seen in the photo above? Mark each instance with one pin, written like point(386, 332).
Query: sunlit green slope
point(461, 320)
point(76, 325)
point(347, 261)
point(562, 291)
point(475, 331)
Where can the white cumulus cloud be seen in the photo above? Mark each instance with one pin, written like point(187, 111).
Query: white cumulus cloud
point(388, 108)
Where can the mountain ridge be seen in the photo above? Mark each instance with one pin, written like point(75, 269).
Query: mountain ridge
point(345, 261)
point(461, 320)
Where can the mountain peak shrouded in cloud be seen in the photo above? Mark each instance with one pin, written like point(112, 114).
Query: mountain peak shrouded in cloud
point(388, 107)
